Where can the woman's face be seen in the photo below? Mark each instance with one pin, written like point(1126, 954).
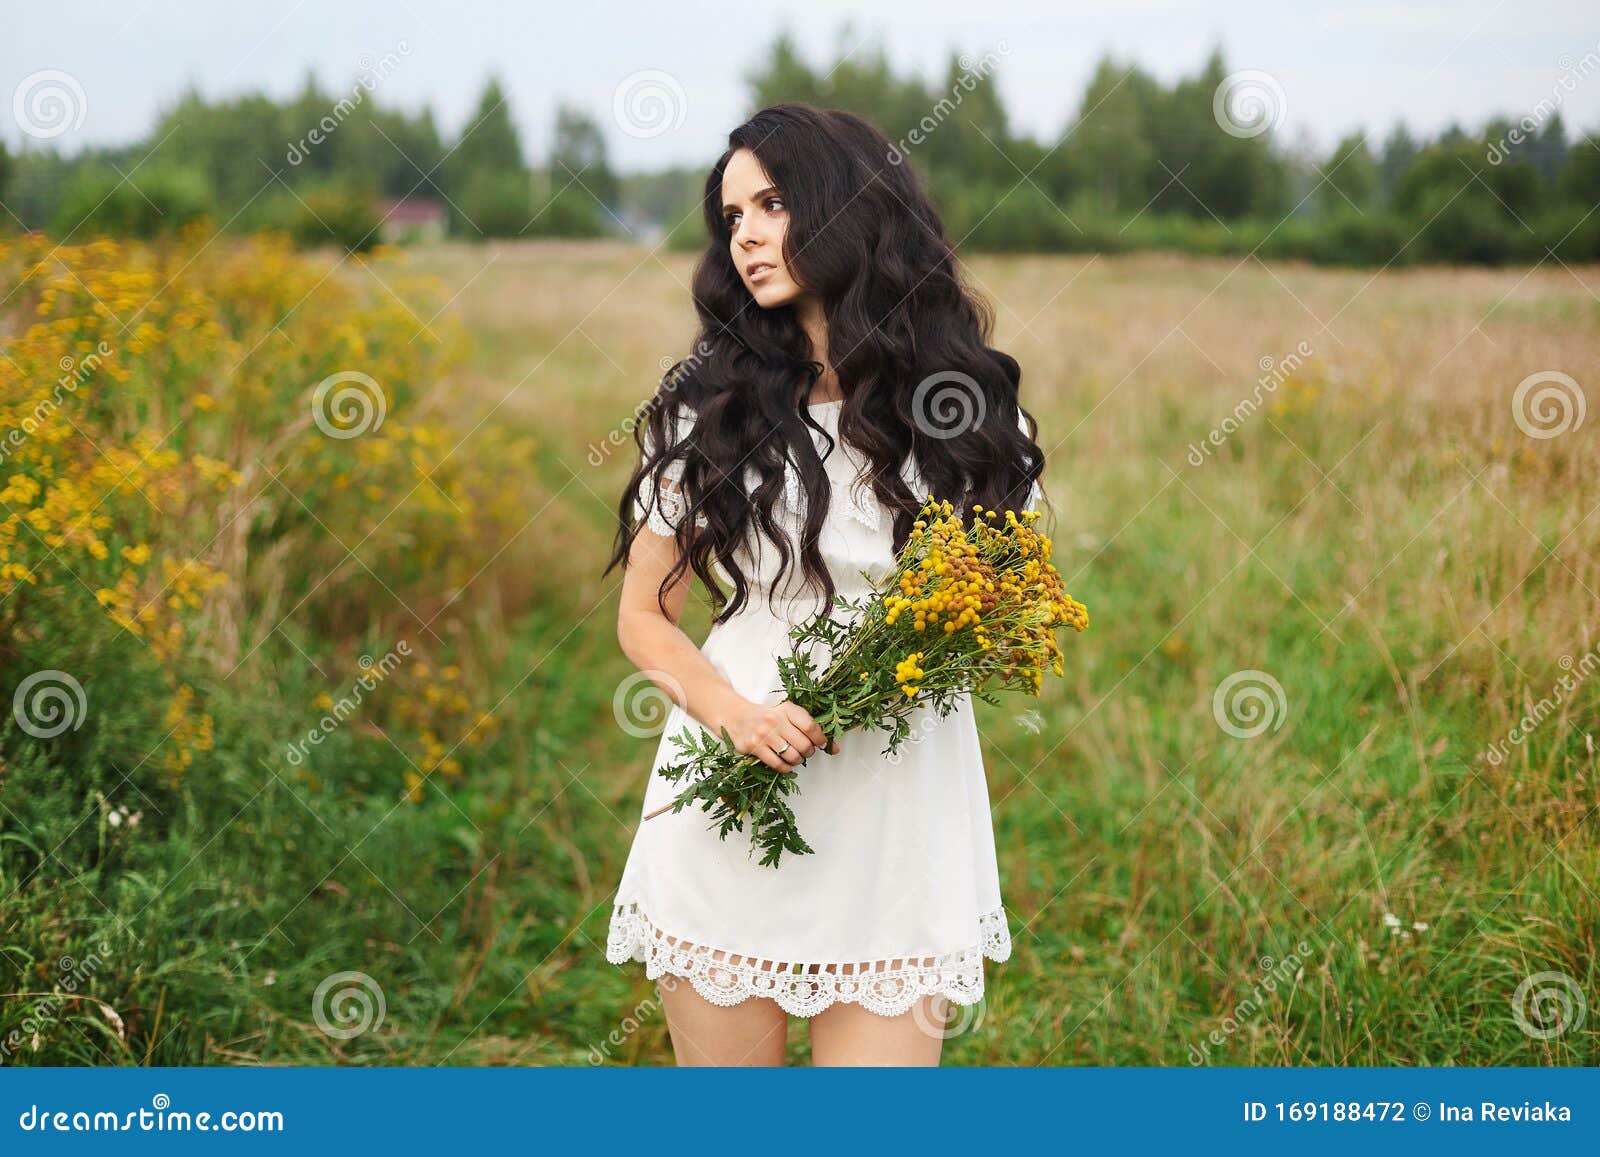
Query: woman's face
point(757, 218)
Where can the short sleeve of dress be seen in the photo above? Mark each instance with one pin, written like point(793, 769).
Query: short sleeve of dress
point(1034, 491)
point(664, 511)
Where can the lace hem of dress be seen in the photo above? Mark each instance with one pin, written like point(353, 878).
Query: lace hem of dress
point(887, 987)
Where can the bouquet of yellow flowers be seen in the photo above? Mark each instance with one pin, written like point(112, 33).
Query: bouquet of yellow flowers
point(967, 609)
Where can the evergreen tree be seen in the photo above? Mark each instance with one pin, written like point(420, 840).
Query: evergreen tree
point(1108, 156)
point(1547, 151)
point(488, 141)
point(580, 155)
point(1352, 175)
point(1399, 150)
point(1580, 181)
point(486, 178)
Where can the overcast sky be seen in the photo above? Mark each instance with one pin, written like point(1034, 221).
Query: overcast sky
point(1338, 66)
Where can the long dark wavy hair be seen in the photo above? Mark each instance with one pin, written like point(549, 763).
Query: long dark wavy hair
point(907, 339)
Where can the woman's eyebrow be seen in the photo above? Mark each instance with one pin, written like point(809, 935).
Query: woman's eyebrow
point(755, 197)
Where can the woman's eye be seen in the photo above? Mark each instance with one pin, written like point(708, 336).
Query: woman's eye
point(771, 203)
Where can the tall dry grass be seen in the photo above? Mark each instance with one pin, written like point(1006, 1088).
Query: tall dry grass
point(1380, 537)
point(1380, 543)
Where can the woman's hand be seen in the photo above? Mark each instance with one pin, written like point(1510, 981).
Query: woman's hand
point(760, 729)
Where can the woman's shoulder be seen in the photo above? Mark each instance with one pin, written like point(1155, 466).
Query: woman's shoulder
point(678, 420)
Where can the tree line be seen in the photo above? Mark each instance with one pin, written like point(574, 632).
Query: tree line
point(315, 166)
point(1198, 165)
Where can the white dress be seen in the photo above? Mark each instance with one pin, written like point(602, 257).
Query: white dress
point(901, 897)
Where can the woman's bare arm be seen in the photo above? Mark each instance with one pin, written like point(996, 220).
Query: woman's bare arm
point(655, 644)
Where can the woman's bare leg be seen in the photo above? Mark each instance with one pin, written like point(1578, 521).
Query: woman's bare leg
point(847, 1034)
point(754, 1032)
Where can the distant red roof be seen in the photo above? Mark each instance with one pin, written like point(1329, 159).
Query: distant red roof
point(411, 210)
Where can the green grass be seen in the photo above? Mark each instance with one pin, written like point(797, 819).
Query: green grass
point(1385, 544)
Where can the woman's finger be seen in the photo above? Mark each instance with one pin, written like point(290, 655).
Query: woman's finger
point(812, 729)
point(799, 744)
point(765, 750)
point(764, 753)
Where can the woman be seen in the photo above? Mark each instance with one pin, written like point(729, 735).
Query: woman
point(841, 374)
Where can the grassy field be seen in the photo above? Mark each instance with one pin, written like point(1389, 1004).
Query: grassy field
point(1258, 822)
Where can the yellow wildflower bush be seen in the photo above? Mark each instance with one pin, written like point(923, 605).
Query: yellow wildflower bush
point(207, 439)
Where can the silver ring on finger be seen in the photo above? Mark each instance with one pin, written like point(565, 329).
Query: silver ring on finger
point(781, 750)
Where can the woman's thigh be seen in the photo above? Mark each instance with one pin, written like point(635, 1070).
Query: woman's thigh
point(847, 1034)
point(753, 1032)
